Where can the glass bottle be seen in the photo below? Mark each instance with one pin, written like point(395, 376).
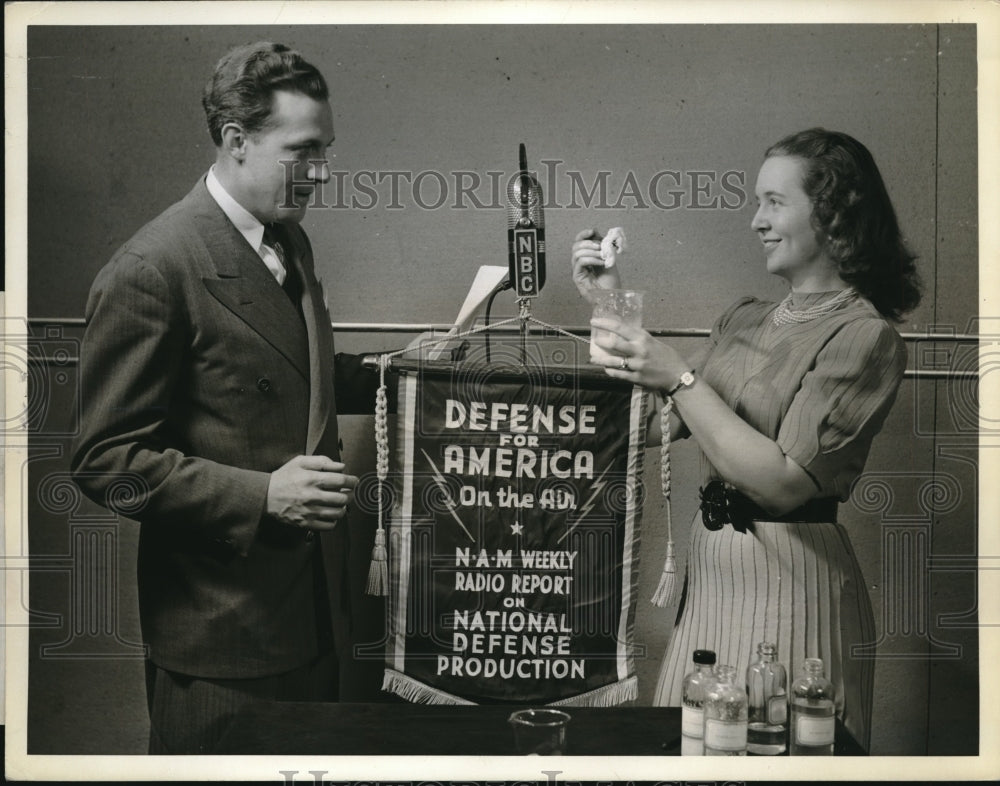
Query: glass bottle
point(726, 715)
point(767, 700)
point(693, 691)
point(813, 712)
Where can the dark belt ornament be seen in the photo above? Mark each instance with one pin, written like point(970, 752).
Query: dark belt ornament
point(722, 504)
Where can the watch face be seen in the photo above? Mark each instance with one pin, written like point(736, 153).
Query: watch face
point(685, 380)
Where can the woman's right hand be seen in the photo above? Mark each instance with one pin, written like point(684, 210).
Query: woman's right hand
point(589, 273)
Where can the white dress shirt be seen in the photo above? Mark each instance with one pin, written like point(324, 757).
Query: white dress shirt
point(247, 225)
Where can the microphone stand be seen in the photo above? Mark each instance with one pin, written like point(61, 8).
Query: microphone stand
point(489, 307)
point(524, 306)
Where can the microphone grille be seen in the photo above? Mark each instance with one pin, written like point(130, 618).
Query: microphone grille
point(524, 199)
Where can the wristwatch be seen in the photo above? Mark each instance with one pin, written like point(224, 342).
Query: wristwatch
point(686, 381)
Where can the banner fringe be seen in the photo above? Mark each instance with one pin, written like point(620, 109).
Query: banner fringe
point(416, 692)
point(606, 696)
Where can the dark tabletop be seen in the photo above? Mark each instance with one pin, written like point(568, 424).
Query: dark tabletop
point(312, 728)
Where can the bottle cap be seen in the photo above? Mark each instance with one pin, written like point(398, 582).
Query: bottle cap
point(704, 657)
point(813, 665)
point(725, 673)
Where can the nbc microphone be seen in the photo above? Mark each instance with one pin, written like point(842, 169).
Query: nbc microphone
point(525, 231)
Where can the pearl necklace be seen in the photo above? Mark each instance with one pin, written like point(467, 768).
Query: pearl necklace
point(783, 314)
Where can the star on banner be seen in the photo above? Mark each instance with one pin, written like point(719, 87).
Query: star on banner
point(516, 528)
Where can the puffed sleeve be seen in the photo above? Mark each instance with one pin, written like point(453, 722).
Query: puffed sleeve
point(842, 403)
point(722, 324)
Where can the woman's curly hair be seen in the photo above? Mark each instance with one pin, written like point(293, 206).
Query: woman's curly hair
point(853, 212)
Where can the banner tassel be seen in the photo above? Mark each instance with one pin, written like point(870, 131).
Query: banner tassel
point(378, 571)
point(665, 591)
point(668, 578)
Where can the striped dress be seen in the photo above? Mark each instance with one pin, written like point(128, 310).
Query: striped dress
point(821, 390)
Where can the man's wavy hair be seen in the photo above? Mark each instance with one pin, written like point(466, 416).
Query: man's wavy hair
point(853, 212)
point(242, 87)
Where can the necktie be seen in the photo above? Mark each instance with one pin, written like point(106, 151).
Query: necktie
point(273, 254)
point(287, 278)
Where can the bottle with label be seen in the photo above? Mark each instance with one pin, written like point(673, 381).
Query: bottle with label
point(767, 699)
point(726, 715)
point(813, 712)
point(693, 690)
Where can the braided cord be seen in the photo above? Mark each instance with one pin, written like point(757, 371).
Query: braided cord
point(668, 406)
point(665, 590)
point(381, 431)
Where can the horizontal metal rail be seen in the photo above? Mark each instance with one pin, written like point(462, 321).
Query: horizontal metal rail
point(577, 330)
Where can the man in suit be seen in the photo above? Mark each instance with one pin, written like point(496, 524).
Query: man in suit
point(209, 415)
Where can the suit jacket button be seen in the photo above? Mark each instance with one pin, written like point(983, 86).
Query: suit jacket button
point(263, 384)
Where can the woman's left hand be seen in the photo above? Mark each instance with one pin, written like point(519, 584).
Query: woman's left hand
point(630, 353)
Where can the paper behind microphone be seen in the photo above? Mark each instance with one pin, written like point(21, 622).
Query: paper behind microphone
point(525, 231)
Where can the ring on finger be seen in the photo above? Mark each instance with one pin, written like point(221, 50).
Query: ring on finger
point(624, 365)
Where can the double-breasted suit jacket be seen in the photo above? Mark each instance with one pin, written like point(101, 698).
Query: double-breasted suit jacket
point(199, 379)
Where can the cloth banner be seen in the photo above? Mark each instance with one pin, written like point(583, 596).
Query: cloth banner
point(514, 537)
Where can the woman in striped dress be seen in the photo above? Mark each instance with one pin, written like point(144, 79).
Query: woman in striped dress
point(783, 403)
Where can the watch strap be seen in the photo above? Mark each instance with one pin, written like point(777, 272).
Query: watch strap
point(686, 381)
